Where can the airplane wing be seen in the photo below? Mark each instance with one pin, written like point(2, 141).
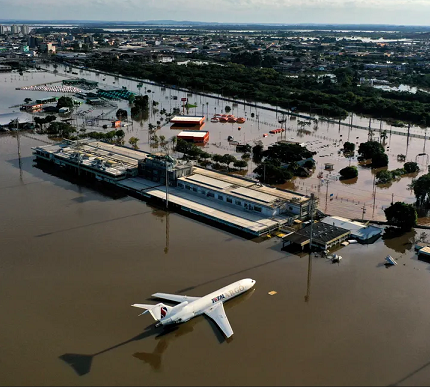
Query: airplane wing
point(175, 297)
point(217, 314)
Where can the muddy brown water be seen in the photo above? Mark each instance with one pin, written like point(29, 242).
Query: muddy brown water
point(73, 260)
point(74, 257)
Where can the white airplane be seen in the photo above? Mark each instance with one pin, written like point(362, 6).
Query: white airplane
point(189, 307)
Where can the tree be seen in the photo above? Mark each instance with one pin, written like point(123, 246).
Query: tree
point(228, 159)
point(62, 129)
point(121, 114)
point(369, 149)
point(217, 158)
point(65, 102)
point(421, 189)
point(401, 215)
point(348, 172)
point(272, 173)
point(50, 118)
point(411, 167)
point(309, 164)
point(384, 177)
point(133, 142)
point(379, 160)
point(240, 164)
point(227, 109)
point(257, 153)
point(119, 134)
point(348, 146)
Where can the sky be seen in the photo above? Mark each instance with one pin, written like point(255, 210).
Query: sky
point(400, 12)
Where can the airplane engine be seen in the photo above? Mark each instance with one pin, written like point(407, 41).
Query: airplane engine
point(184, 318)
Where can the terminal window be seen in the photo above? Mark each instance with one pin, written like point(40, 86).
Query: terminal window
point(228, 200)
point(220, 197)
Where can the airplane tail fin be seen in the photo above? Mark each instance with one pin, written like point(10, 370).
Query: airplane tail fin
point(80, 363)
point(158, 312)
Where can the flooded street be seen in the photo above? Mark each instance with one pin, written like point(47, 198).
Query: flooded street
point(75, 257)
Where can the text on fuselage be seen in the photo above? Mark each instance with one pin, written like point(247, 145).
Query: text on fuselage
point(230, 293)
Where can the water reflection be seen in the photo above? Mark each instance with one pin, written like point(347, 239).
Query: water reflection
point(81, 363)
point(154, 358)
point(398, 240)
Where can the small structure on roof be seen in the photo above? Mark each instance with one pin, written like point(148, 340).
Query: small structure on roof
point(328, 166)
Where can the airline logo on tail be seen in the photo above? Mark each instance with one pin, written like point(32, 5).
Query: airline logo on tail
point(163, 312)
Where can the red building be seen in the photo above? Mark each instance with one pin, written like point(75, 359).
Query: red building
point(187, 120)
point(195, 136)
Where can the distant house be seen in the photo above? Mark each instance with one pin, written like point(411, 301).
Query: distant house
point(116, 124)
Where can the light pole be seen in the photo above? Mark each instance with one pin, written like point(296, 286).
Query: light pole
point(311, 206)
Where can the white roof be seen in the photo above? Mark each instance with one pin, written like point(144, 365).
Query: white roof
point(186, 119)
point(194, 133)
point(358, 229)
point(253, 194)
point(209, 181)
point(338, 221)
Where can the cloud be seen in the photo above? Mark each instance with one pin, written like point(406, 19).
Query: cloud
point(242, 11)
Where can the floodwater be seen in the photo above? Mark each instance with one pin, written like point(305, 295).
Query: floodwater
point(359, 198)
point(74, 258)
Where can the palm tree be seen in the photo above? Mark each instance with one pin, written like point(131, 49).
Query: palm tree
point(384, 136)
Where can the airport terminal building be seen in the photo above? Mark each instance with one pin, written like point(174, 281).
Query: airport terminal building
point(237, 202)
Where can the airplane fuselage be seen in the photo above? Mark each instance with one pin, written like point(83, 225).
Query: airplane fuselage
point(187, 310)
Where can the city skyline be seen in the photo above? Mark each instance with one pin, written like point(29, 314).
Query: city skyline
point(394, 12)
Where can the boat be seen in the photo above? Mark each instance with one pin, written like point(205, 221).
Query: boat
point(223, 119)
point(390, 260)
point(274, 131)
point(231, 119)
point(214, 119)
point(336, 258)
point(240, 120)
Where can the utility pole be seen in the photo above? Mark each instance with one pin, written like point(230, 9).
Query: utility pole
point(18, 140)
point(326, 194)
point(167, 184)
point(311, 205)
point(166, 248)
point(364, 211)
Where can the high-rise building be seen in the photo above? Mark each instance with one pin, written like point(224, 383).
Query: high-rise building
point(2, 30)
point(14, 29)
point(25, 29)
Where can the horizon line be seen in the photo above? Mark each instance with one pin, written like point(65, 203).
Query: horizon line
point(154, 21)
